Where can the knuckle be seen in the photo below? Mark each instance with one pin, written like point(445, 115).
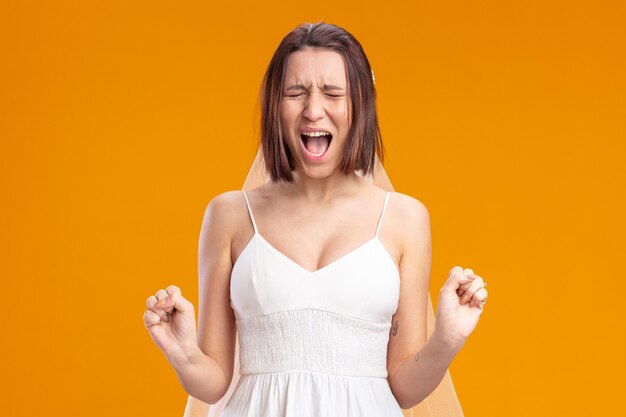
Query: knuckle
point(151, 301)
point(149, 317)
point(454, 269)
point(173, 289)
point(156, 310)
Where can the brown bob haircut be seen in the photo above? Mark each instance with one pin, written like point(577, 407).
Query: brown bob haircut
point(364, 139)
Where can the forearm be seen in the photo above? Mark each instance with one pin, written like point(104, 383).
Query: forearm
point(201, 375)
point(420, 374)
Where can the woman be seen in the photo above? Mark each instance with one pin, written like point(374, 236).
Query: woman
point(321, 274)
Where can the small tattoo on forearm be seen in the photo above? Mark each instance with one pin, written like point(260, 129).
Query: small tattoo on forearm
point(417, 357)
point(395, 328)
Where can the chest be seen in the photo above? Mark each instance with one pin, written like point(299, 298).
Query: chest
point(363, 283)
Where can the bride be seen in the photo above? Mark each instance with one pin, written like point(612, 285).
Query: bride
point(321, 273)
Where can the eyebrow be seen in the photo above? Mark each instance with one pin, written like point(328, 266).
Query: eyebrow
point(325, 87)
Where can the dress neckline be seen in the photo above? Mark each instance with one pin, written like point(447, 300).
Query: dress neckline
point(329, 265)
point(320, 269)
point(324, 268)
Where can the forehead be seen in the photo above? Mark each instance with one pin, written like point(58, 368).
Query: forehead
point(315, 65)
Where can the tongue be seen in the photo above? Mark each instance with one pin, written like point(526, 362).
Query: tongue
point(317, 145)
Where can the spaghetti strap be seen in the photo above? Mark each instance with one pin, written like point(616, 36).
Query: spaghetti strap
point(380, 221)
point(245, 195)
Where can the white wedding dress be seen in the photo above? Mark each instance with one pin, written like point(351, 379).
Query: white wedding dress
point(313, 343)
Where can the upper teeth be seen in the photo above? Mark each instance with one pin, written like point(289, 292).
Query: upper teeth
point(318, 133)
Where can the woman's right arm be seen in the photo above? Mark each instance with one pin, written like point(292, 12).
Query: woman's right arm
point(208, 373)
point(203, 360)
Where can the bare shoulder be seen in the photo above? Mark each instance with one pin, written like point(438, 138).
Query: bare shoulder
point(409, 211)
point(225, 202)
point(224, 212)
point(409, 218)
point(224, 206)
point(408, 205)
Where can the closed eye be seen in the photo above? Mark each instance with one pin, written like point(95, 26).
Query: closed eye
point(301, 94)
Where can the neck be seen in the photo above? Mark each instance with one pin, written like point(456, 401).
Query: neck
point(323, 189)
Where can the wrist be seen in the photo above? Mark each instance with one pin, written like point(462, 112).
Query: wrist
point(447, 341)
point(186, 356)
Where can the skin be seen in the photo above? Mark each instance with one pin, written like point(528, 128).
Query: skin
point(323, 211)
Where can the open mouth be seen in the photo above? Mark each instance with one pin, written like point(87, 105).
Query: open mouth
point(316, 143)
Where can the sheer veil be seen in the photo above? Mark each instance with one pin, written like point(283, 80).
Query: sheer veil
point(442, 402)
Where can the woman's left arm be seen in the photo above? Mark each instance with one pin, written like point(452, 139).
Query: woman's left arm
point(416, 365)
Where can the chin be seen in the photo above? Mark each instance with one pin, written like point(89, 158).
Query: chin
point(318, 172)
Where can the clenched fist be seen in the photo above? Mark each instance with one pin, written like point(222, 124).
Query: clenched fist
point(461, 302)
point(171, 321)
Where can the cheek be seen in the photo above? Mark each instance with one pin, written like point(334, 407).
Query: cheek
point(288, 120)
point(341, 110)
point(290, 109)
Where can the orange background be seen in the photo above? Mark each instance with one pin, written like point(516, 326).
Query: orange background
point(119, 121)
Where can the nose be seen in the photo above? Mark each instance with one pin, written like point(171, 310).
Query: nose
point(314, 108)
